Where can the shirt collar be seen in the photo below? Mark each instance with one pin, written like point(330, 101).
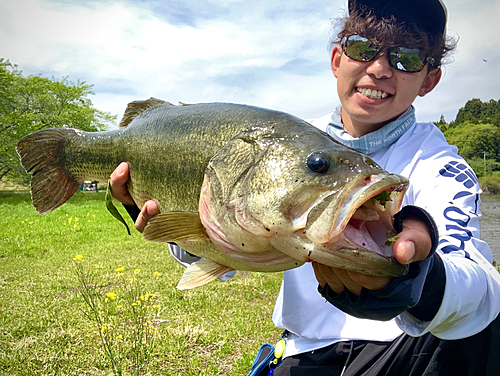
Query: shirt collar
point(373, 141)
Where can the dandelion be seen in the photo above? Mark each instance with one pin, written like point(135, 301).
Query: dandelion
point(119, 270)
point(105, 327)
point(77, 257)
point(111, 296)
point(157, 274)
point(119, 336)
point(88, 213)
point(133, 279)
point(137, 271)
point(69, 220)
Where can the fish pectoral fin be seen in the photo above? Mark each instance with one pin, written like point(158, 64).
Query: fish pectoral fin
point(112, 208)
point(200, 273)
point(175, 225)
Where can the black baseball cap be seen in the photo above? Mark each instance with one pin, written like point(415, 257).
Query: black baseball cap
point(428, 15)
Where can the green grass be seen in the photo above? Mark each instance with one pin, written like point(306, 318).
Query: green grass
point(212, 330)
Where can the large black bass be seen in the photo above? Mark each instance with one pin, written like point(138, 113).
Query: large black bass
point(245, 188)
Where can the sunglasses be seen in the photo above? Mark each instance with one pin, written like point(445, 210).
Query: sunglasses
point(404, 59)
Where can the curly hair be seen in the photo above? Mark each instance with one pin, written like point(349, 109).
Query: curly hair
point(390, 31)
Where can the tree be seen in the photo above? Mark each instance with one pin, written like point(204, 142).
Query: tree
point(475, 141)
point(442, 124)
point(28, 104)
point(476, 111)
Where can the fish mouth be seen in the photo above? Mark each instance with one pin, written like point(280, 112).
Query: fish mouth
point(355, 226)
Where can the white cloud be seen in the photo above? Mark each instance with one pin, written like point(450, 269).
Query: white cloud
point(271, 54)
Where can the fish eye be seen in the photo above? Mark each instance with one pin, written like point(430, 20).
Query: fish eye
point(318, 162)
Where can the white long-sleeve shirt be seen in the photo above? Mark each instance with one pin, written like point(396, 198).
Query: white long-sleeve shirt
point(446, 187)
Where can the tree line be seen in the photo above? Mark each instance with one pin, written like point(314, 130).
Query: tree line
point(32, 103)
point(28, 104)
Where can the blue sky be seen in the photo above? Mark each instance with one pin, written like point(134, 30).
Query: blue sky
point(266, 53)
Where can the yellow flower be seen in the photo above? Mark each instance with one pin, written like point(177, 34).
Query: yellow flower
point(119, 336)
point(119, 270)
point(157, 274)
point(111, 295)
point(132, 279)
point(148, 296)
point(137, 271)
point(69, 220)
point(77, 257)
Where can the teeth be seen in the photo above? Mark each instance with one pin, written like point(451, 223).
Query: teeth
point(373, 94)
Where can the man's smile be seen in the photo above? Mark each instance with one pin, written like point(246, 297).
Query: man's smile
point(372, 93)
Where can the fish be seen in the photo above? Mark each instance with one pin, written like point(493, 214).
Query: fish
point(245, 188)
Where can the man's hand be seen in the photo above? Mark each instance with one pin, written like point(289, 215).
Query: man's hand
point(414, 244)
point(118, 182)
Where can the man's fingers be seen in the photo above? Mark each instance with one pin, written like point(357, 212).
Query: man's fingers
point(344, 277)
point(368, 281)
point(414, 242)
point(148, 211)
point(118, 181)
point(326, 274)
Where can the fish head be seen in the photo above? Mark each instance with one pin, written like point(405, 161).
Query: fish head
point(291, 187)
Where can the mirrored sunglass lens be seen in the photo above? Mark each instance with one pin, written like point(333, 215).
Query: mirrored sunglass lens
point(406, 59)
point(360, 48)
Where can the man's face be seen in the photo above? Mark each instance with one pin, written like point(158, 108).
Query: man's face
point(373, 93)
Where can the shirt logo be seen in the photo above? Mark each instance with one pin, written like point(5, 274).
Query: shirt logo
point(459, 235)
point(461, 172)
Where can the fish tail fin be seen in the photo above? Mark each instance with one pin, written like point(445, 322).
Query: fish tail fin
point(42, 155)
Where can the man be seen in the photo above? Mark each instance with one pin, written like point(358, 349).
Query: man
point(433, 320)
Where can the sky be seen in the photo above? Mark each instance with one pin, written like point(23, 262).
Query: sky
point(271, 54)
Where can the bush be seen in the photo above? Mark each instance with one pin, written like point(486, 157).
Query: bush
point(491, 183)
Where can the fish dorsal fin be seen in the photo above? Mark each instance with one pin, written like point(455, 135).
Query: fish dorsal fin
point(175, 225)
point(200, 273)
point(135, 108)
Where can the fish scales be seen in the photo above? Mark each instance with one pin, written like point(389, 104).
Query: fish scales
point(245, 187)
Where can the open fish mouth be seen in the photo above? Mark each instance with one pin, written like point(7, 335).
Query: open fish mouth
point(355, 227)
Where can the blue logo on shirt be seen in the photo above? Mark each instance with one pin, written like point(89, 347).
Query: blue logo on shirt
point(461, 172)
point(458, 220)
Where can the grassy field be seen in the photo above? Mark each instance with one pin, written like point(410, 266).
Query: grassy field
point(44, 324)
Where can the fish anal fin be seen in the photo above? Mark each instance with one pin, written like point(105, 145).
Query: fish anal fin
point(200, 273)
point(136, 108)
point(175, 225)
point(244, 273)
